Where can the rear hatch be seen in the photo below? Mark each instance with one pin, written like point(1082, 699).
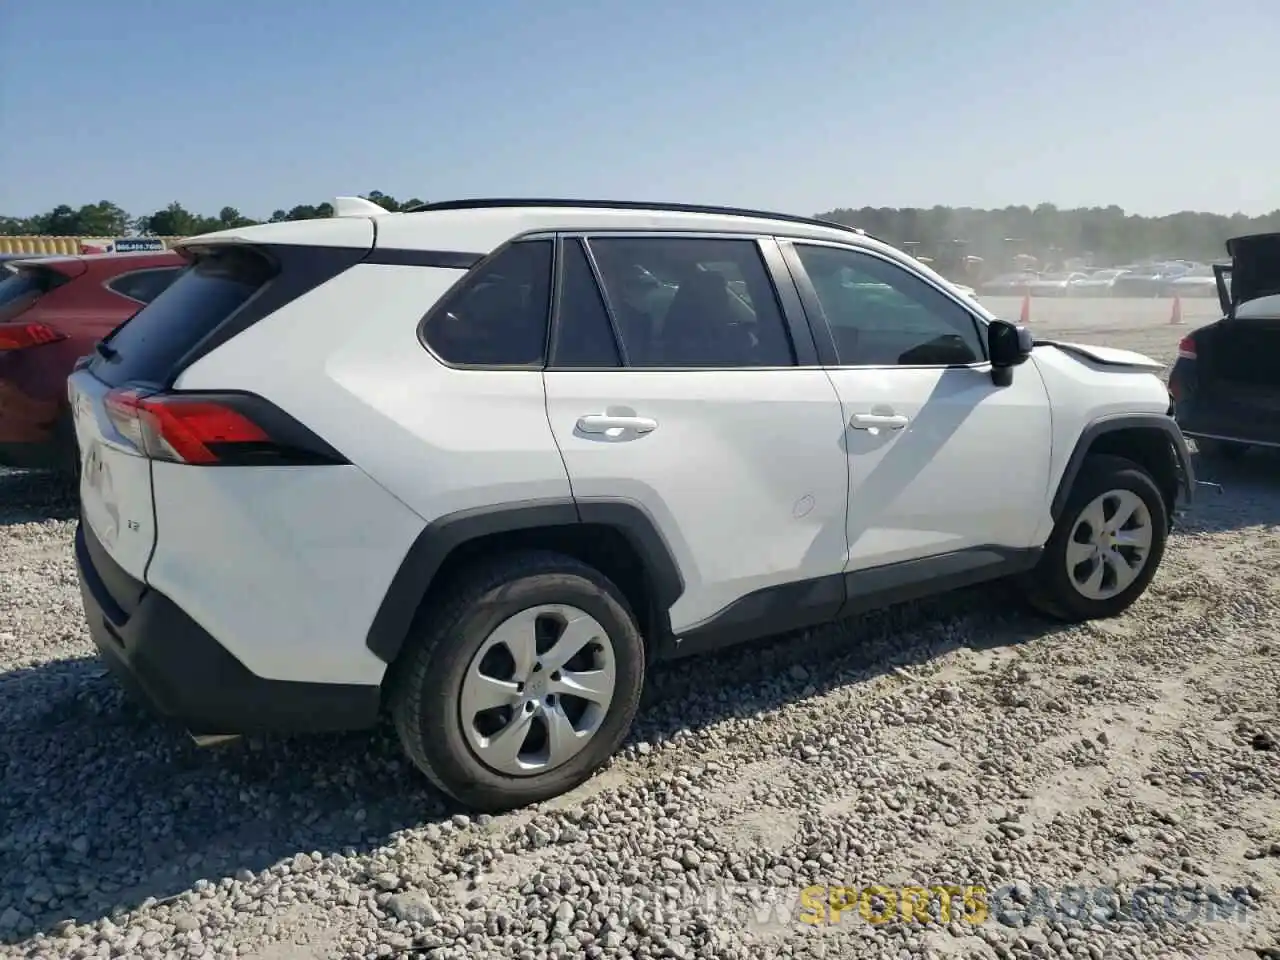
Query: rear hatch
point(1238, 358)
point(117, 429)
point(1243, 351)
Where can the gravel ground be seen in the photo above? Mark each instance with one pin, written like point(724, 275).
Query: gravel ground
point(959, 742)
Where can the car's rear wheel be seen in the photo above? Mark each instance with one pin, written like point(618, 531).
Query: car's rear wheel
point(1222, 449)
point(1106, 545)
point(522, 683)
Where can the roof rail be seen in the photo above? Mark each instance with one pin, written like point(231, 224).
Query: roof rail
point(491, 202)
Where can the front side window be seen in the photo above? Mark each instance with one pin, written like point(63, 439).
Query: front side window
point(498, 317)
point(692, 302)
point(880, 314)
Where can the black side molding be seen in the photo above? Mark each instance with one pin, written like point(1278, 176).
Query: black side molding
point(1126, 421)
point(438, 539)
point(809, 603)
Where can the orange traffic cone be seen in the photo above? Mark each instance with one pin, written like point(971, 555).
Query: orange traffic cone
point(1176, 315)
point(1025, 316)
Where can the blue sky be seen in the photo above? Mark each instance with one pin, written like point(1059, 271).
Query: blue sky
point(797, 105)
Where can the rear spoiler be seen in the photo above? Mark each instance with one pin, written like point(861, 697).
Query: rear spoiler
point(60, 264)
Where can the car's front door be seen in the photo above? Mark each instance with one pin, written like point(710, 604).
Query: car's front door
point(681, 389)
point(943, 463)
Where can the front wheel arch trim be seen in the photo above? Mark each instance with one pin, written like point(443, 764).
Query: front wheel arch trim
point(1105, 425)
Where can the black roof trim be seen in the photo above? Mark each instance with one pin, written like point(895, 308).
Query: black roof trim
point(492, 202)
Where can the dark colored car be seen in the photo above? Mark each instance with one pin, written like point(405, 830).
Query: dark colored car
point(53, 310)
point(1226, 381)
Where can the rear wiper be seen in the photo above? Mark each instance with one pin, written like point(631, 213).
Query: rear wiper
point(104, 351)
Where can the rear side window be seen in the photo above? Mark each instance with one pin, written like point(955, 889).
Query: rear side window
point(692, 302)
point(148, 347)
point(19, 289)
point(144, 285)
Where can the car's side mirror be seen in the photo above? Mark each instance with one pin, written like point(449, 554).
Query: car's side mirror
point(1008, 345)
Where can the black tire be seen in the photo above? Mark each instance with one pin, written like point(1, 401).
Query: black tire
point(1228, 450)
point(1049, 586)
point(66, 449)
point(427, 680)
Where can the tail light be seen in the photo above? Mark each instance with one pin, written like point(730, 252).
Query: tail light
point(20, 336)
point(1186, 349)
point(223, 429)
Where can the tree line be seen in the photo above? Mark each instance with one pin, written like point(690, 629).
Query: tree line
point(947, 235)
point(1102, 235)
point(107, 219)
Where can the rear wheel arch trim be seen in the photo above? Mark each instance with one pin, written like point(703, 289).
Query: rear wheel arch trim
point(1129, 421)
point(394, 619)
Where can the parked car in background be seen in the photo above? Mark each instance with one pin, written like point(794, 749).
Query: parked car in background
point(1053, 284)
point(1099, 283)
point(1195, 283)
point(1146, 281)
point(53, 310)
point(1009, 284)
point(1226, 380)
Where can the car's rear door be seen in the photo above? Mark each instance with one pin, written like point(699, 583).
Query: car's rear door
point(685, 389)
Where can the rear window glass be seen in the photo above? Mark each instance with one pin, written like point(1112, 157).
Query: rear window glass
point(144, 285)
point(148, 347)
point(19, 289)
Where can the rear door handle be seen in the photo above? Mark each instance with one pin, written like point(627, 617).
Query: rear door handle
point(603, 423)
point(887, 421)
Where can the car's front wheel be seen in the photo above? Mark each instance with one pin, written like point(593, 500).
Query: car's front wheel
point(521, 683)
point(1106, 545)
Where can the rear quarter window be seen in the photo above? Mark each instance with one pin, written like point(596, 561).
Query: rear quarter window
point(149, 346)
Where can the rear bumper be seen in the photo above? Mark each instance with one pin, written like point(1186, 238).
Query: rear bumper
point(1232, 433)
point(1233, 423)
point(1218, 412)
point(182, 673)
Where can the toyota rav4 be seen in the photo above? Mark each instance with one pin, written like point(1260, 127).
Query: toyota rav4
point(484, 462)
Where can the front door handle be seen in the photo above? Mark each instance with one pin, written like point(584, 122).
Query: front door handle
point(603, 423)
point(887, 421)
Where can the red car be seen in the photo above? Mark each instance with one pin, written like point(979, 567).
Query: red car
point(53, 310)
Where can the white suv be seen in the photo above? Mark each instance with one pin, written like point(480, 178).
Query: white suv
point(484, 462)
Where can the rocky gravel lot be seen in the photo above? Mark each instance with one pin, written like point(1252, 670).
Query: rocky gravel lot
point(959, 743)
